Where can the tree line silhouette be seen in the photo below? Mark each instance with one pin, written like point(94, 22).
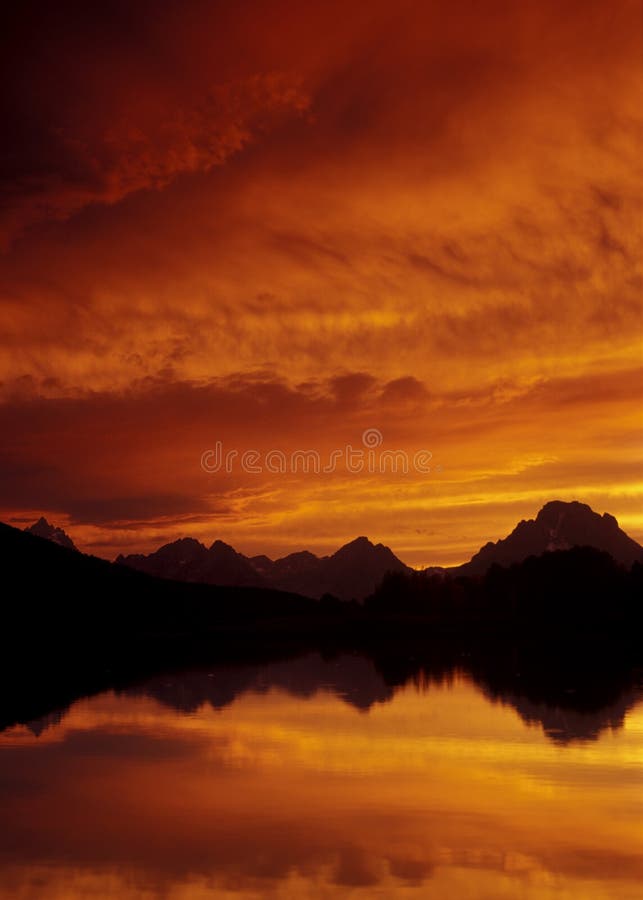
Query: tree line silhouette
point(581, 589)
point(73, 624)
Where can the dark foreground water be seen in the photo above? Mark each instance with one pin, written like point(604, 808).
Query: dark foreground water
point(314, 779)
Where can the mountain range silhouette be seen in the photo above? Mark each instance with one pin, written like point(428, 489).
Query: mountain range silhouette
point(529, 632)
point(355, 570)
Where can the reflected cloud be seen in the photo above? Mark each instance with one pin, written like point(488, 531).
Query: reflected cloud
point(274, 783)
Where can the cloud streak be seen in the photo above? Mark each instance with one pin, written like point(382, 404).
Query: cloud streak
point(145, 149)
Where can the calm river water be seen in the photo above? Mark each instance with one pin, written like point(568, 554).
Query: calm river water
point(315, 779)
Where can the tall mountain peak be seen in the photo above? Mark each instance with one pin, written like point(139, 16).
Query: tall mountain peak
point(559, 525)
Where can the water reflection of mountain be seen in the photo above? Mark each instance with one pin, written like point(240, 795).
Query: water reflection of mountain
point(49, 720)
point(569, 701)
point(352, 678)
point(564, 724)
point(565, 713)
point(575, 697)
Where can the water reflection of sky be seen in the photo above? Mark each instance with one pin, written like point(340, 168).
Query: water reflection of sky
point(279, 796)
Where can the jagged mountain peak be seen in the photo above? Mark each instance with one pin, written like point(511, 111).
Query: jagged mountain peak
point(559, 525)
point(221, 547)
point(298, 555)
point(557, 506)
point(184, 544)
point(361, 546)
point(44, 529)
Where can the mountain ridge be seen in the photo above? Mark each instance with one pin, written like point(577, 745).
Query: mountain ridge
point(559, 525)
point(356, 568)
point(352, 572)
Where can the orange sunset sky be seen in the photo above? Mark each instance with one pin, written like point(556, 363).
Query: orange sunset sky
point(277, 224)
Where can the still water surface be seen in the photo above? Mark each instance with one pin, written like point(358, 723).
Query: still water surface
point(313, 779)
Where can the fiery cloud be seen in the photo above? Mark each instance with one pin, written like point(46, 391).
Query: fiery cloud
point(278, 226)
